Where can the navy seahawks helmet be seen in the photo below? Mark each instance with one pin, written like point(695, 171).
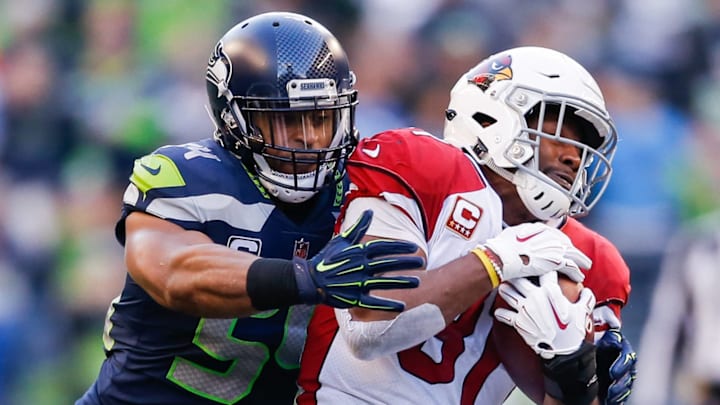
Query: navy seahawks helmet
point(276, 71)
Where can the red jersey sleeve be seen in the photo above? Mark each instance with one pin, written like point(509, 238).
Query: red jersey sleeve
point(410, 164)
point(609, 277)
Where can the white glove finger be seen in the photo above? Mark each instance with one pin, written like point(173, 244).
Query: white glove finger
point(506, 316)
point(560, 304)
point(549, 278)
point(511, 296)
point(522, 285)
point(580, 258)
point(526, 327)
point(587, 298)
point(572, 270)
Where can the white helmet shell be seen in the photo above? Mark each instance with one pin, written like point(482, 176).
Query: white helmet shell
point(487, 116)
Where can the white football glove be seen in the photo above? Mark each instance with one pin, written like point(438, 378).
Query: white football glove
point(548, 322)
point(533, 249)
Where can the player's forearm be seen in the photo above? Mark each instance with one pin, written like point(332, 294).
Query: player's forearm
point(455, 286)
point(203, 280)
point(443, 294)
point(209, 280)
point(452, 287)
point(184, 270)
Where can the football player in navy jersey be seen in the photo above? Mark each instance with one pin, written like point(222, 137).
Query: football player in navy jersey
point(225, 235)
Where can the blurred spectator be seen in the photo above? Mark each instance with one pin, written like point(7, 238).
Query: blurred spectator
point(34, 109)
point(452, 39)
point(582, 33)
point(107, 87)
point(37, 138)
point(170, 53)
point(641, 201)
point(648, 36)
point(384, 68)
point(679, 362)
point(27, 18)
point(15, 302)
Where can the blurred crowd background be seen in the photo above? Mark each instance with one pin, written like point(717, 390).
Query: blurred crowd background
point(87, 86)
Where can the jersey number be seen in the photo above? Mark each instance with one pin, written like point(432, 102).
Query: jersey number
point(418, 363)
point(221, 340)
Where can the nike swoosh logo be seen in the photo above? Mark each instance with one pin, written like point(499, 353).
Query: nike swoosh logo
point(345, 300)
point(526, 238)
point(322, 267)
point(561, 324)
point(150, 170)
point(373, 153)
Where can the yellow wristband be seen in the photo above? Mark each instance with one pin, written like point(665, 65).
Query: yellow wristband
point(489, 266)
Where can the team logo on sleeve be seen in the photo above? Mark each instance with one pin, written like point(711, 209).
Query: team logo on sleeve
point(491, 70)
point(464, 217)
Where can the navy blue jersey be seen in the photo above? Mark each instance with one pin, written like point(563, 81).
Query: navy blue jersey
point(159, 356)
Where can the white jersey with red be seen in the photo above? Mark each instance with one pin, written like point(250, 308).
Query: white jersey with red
point(452, 209)
point(445, 196)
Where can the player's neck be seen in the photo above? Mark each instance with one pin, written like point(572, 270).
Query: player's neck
point(297, 212)
point(514, 210)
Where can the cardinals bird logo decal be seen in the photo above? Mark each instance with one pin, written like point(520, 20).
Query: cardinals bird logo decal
point(491, 70)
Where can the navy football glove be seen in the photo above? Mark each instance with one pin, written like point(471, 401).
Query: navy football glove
point(343, 272)
point(616, 367)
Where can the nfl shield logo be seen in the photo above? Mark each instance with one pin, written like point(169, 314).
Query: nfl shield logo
point(301, 248)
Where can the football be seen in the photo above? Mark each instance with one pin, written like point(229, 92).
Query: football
point(520, 361)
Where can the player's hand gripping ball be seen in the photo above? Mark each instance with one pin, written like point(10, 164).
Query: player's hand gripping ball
point(522, 363)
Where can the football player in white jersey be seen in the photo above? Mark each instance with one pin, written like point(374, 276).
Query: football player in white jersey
point(528, 141)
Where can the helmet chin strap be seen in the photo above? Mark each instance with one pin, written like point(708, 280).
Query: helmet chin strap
point(286, 195)
point(544, 201)
point(281, 188)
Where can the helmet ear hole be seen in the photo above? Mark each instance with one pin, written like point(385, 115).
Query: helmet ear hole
point(483, 119)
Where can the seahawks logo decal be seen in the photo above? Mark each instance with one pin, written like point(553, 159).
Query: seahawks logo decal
point(219, 70)
point(491, 70)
